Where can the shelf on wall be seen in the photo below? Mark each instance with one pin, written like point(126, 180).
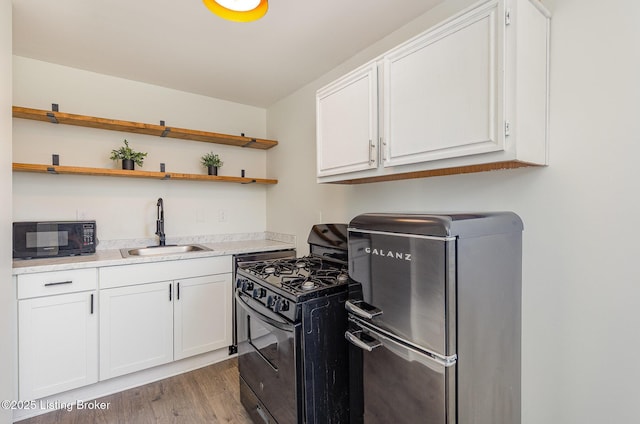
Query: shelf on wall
point(140, 128)
point(77, 170)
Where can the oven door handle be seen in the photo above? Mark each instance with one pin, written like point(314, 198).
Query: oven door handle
point(284, 326)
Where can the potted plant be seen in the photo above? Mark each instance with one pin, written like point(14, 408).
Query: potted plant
point(128, 156)
point(212, 162)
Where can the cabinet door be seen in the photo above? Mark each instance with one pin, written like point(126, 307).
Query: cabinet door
point(347, 123)
point(136, 328)
point(443, 91)
point(58, 343)
point(202, 315)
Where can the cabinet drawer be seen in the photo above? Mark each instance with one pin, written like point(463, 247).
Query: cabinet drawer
point(125, 275)
point(56, 282)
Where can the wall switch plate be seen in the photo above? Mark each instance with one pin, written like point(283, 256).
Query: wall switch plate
point(222, 215)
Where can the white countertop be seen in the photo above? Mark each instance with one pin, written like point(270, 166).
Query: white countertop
point(112, 257)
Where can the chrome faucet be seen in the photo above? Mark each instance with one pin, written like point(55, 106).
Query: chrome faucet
point(160, 222)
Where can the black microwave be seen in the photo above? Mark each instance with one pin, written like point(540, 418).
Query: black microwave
point(47, 239)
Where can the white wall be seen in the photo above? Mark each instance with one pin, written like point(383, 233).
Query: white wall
point(581, 291)
point(297, 202)
point(125, 207)
point(7, 296)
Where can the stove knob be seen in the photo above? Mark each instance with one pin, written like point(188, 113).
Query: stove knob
point(247, 286)
point(240, 283)
point(284, 305)
point(270, 301)
point(277, 305)
point(259, 293)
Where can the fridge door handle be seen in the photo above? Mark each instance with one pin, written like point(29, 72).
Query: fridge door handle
point(362, 309)
point(364, 345)
point(379, 338)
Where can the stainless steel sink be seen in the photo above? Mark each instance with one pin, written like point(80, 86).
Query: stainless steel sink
point(163, 250)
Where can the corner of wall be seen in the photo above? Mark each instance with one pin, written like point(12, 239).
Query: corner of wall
point(7, 298)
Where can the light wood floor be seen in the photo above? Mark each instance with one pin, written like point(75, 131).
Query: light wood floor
point(207, 395)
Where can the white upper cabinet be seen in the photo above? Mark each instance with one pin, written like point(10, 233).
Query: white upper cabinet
point(468, 95)
point(441, 91)
point(347, 123)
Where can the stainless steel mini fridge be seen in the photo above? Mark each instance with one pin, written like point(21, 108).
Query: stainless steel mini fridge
point(435, 318)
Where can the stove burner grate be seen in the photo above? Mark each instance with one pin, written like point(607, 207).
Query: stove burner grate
point(300, 275)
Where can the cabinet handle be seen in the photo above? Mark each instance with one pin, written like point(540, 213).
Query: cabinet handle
point(170, 292)
point(58, 283)
point(178, 292)
point(372, 147)
point(384, 150)
point(91, 303)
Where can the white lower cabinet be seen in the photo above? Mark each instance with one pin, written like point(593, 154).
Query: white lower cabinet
point(58, 332)
point(78, 327)
point(200, 324)
point(145, 322)
point(146, 325)
point(136, 328)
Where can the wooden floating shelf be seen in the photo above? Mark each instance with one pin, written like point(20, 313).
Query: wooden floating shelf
point(76, 170)
point(140, 128)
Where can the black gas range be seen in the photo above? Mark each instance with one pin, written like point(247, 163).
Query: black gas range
point(292, 355)
point(282, 285)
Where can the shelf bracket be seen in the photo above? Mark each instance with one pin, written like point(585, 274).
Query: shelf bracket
point(249, 182)
point(166, 130)
point(51, 170)
point(166, 177)
point(253, 140)
point(52, 118)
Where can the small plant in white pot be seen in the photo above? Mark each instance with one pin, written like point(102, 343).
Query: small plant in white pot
point(129, 157)
point(212, 162)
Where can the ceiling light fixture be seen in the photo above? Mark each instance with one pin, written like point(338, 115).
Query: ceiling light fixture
point(238, 10)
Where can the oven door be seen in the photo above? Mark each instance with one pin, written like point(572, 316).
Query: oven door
point(268, 360)
point(243, 258)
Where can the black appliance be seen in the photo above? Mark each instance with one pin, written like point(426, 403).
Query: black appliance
point(46, 239)
point(246, 259)
point(292, 356)
point(434, 318)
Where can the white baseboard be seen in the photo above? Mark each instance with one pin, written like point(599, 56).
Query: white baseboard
point(118, 384)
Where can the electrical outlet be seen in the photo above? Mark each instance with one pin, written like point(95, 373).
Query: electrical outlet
point(222, 215)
